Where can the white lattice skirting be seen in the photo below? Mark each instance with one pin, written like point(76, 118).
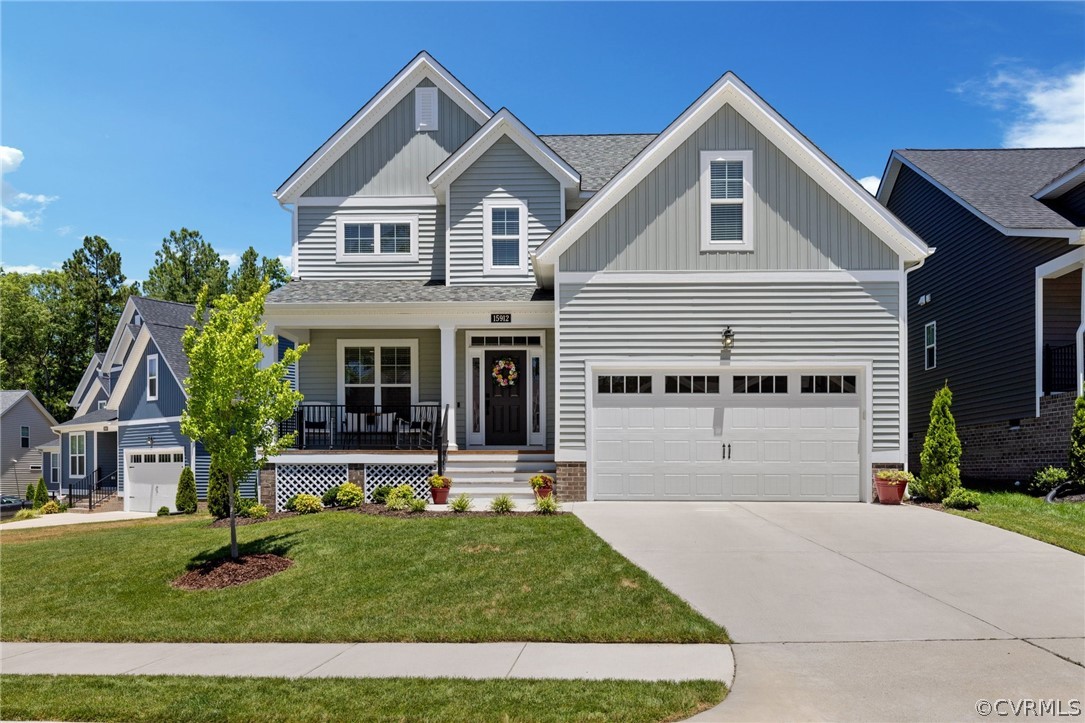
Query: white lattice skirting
point(313, 479)
point(392, 475)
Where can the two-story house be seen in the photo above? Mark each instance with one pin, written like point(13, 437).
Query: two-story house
point(25, 436)
point(125, 438)
point(998, 312)
point(711, 312)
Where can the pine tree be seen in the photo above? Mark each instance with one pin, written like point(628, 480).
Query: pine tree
point(186, 492)
point(253, 270)
point(185, 264)
point(41, 494)
point(940, 471)
point(218, 497)
point(31, 493)
point(1075, 467)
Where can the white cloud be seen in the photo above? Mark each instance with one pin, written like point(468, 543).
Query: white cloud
point(29, 268)
point(871, 184)
point(10, 159)
point(9, 217)
point(64, 230)
point(288, 262)
point(1046, 111)
point(232, 259)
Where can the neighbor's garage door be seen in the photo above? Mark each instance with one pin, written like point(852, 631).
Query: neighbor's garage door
point(725, 436)
point(151, 478)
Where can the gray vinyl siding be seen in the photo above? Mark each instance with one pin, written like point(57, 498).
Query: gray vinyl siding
point(393, 159)
point(317, 245)
point(171, 398)
point(784, 321)
point(16, 475)
point(1062, 309)
point(982, 287)
point(503, 171)
point(318, 374)
point(797, 225)
point(1072, 205)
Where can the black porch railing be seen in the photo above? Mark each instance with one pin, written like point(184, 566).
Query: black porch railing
point(92, 490)
point(341, 427)
point(1060, 368)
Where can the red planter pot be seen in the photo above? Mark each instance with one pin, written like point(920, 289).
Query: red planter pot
point(889, 494)
point(543, 492)
point(440, 495)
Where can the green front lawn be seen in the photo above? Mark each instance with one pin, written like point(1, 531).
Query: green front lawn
point(163, 698)
point(1059, 524)
point(355, 578)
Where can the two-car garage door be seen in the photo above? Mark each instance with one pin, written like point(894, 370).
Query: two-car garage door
point(666, 435)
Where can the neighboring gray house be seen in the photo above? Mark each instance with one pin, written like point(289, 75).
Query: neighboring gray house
point(25, 426)
point(713, 312)
point(998, 312)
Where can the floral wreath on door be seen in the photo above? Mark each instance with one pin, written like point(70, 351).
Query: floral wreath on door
point(504, 372)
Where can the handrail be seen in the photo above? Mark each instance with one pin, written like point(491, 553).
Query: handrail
point(350, 426)
point(442, 450)
point(1059, 368)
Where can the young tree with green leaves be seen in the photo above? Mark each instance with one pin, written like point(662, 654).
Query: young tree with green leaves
point(234, 405)
point(185, 500)
point(184, 265)
point(1075, 467)
point(940, 460)
point(253, 270)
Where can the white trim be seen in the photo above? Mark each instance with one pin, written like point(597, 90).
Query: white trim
point(128, 371)
point(54, 466)
point(353, 458)
point(1061, 265)
point(1053, 269)
point(88, 397)
point(342, 257)
point(149, 420)
point(724, 277)
point(422, 66)
point(71, 457)
point(150, 377)
point(707, 202)
point(1062, 184)
point(368, 201)
point(731, 90)
point(426, 97)
point(477, 440)
point(403, 316)
point(488, 207)
point(927, 346)
point(376, 344)
point(448, 380)
point(126, 451)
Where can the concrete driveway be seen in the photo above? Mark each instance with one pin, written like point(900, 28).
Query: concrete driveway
point(862, 612)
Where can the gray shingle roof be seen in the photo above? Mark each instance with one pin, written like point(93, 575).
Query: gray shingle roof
point(98, 415)
point(598, 158)
point(999, 183)
point(9, 397)
point(166, 320)
point(347, 291)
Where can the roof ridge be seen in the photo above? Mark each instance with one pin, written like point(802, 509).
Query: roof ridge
point(161, 301)
point(593, 135)
point(1042, 148)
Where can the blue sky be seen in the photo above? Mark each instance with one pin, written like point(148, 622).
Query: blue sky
point(127, 120)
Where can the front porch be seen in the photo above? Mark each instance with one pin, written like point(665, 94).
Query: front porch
point(1060, 318)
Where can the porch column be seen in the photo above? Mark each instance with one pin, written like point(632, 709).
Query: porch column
point(271, 354)
point(1079, 338)
point(448, 378)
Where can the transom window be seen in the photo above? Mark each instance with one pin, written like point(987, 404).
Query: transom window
point(930, 346)
point(506, 340)
point(828, 384)
point(368, 238)
point(24, 437)
point(625, 384)
point(685, 384)
point(726, 204)
point(77, 454)
point(152, 377)
point(504, 236)
point(754, 384)
point(378, 375)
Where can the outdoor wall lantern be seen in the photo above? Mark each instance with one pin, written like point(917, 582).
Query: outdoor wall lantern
point(150, 441)
point(728, 339)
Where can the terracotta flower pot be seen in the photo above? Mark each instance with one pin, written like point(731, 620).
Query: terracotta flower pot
point(440, 495)
point(889, 494)
point(543, 492)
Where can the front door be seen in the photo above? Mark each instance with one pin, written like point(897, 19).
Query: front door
point(506, 400)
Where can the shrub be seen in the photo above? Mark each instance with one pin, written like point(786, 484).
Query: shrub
point(1046, 480)
point(541, 480)
point(186, 492)
point(546, 505)
point(330, 496)
point(50, 508)
point(962, 499)
point(292, 504)
point(940, 473)
point(41, 493)
point(307, 504)
point(25, 515)
point(255, 511)
point(350, 495)
point(502, 505)
point(417, 505)
point(31, 491)
point(398, 504)
point(460, 504)
point(218, 496)
point(1075, 467)
point(894, 476)
point(402, 492)
point(440, 481)
point(163, 511)
point(380, 495)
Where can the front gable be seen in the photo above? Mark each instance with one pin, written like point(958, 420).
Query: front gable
point(134, 403)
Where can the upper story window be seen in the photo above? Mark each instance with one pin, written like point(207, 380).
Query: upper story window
point(370, 238)
point(152, 377)
point(24, 437)
point(425, 109)
point(101, 404)
point(504, 236)
point(726, 200)
point(930, 346)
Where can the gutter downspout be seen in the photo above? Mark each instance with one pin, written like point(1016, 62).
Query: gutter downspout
point(904, 357)
point(1079, 338)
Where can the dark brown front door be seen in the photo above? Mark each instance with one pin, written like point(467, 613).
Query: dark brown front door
point(506, 406)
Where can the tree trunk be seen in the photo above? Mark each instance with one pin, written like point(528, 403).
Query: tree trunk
point(233, 516)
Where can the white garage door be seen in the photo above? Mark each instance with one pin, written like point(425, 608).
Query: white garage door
point(151, 478)
point(725, 436)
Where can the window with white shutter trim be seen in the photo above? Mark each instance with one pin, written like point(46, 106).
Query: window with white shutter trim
point(425, 109)
point(726, 210)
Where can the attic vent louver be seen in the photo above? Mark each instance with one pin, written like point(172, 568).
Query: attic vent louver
point(425, 109)
point(137, 319)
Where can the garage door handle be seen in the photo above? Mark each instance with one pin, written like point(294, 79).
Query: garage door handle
point(726, 451)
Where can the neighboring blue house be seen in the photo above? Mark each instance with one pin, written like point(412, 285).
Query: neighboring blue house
point(126, 435)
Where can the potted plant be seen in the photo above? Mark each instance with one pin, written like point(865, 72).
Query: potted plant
point(891, 484)
point(543, 485)
point(438, 487)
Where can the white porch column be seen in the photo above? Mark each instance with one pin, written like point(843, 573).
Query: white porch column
point(1079, 338)
point(448, 378)
point(271, 354)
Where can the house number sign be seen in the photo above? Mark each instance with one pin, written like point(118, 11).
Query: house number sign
point(500, 318)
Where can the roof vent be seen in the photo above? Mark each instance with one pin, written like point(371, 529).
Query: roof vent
point(137, 319)
point(425, 109)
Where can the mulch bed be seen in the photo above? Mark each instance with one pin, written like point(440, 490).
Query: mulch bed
point(928, 505)
point(227, 573)
point(1070, 498)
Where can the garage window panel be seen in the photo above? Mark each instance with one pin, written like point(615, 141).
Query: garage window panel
point(629, 384)
point(759, 384)
point(828, 384)
point(691, 384)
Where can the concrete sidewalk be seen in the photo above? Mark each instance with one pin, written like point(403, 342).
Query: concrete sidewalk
point(588, 661)
point(74, 518)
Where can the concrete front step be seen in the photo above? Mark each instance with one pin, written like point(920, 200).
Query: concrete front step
point(110, 504)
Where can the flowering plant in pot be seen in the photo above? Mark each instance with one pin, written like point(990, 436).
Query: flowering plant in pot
point(438, 487)
point(542, 484)
point(891, 484)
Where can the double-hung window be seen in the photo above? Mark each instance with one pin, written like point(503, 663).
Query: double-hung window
point(54, 467)
point(77, 454)
point(361, 239)
point(152, 377)
point(24, 437)
point(504, 236)
point(930, 346)
point(379, 374)
point(726, 200)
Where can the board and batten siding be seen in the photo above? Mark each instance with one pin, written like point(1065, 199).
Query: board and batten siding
point(171, 398)
point(783, 322)
point(983, 288)
point(317, 241)
point(393, 159)
point(797, 225)
point(319, 373)
point(504, 171)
